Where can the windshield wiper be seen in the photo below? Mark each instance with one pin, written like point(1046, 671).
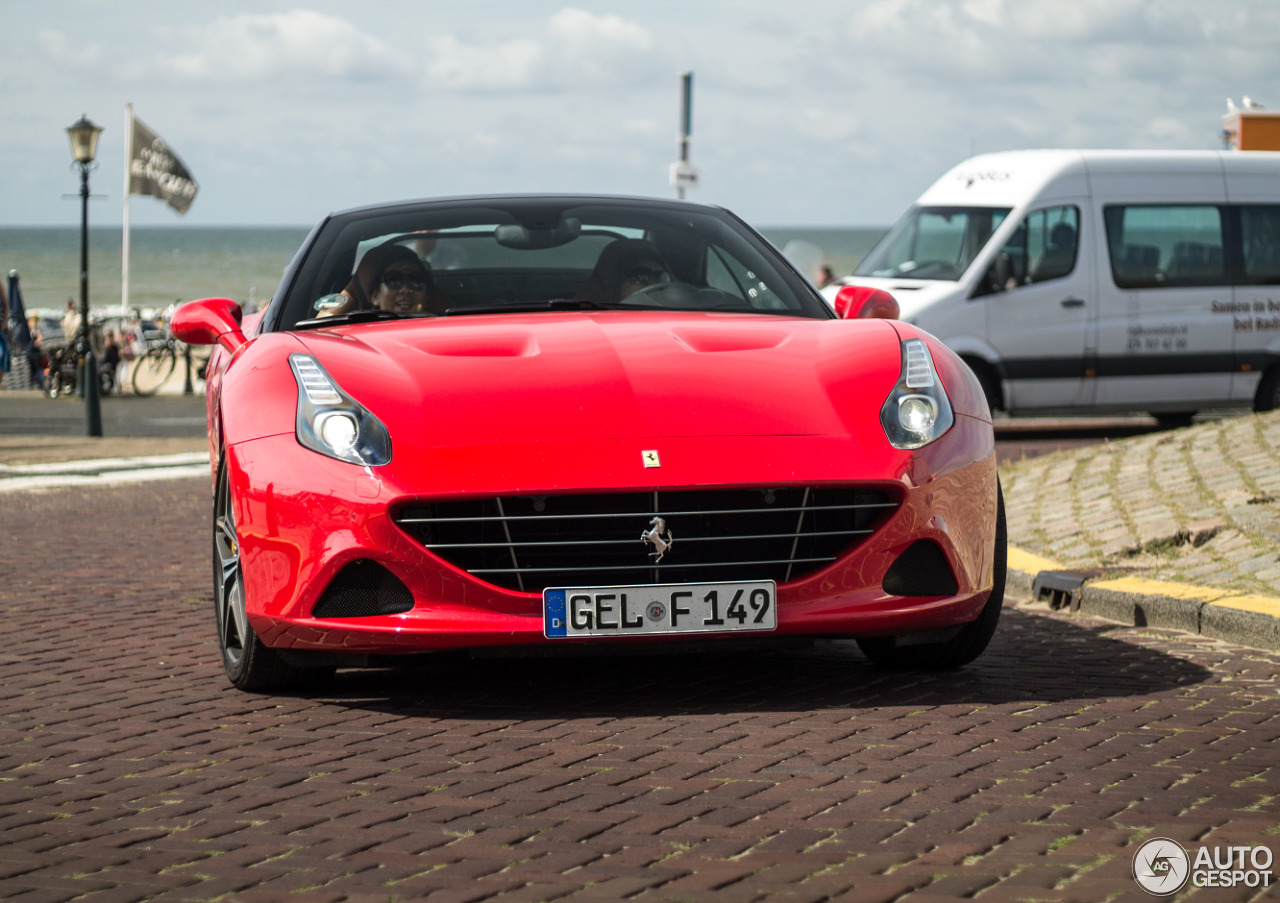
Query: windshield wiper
point(355, 316)
point(506, 307)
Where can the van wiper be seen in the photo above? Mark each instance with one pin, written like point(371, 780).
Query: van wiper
point(355, 316)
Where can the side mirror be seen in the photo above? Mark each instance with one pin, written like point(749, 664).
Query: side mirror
point(211, 321)
point(1000, 273)
point(857, 302)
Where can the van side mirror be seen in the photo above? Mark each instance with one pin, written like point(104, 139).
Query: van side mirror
point(999, 274)
point(857, 302)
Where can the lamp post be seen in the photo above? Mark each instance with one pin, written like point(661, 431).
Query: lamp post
point(84, 144)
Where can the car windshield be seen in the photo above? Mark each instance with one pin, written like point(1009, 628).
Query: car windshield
point(491, 255)
point(932, 243)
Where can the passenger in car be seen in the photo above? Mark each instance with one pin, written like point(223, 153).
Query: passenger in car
point(402, 282)
point(624, 267)
point(391, 277)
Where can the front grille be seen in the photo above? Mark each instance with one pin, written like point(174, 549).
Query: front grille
point(531, 542)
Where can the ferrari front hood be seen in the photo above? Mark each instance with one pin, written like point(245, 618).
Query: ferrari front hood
point(488, 379)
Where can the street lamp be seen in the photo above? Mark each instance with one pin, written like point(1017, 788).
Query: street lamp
point(84, 144)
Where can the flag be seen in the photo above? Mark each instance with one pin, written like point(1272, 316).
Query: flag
point(155, 170)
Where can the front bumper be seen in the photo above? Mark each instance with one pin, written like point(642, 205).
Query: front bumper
point(302, 518)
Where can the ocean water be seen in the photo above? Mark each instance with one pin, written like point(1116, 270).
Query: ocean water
point(168, 264)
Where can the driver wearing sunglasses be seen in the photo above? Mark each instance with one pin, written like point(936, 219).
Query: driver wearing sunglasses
point(625, 267)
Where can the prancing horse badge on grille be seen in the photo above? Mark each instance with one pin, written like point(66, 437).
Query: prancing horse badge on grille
point(659, 537)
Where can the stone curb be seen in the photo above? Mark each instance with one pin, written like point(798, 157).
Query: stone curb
point(102, 471)
point(1244, 619)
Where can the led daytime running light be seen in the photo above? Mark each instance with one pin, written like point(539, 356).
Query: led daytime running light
point(314, 381)
point(919, 366)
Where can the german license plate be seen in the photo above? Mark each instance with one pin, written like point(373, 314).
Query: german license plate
point(659, 609)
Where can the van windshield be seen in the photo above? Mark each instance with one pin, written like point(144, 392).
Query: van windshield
point(932, 243)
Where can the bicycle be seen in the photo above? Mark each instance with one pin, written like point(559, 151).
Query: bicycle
point(153, 367)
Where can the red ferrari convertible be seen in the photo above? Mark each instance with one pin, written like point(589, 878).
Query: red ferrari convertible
point(584, 421)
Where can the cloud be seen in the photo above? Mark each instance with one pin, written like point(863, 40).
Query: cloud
point(299, 43)
point(63, 51)
point(575, 50)
point(454, 64)
point(579, 28)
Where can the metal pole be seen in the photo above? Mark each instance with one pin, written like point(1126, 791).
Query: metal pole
point(89, 376)
point(686, 122)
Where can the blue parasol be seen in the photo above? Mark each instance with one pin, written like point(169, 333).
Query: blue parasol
point(20, 330)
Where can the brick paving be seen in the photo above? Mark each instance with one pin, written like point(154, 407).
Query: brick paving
point(130, 771)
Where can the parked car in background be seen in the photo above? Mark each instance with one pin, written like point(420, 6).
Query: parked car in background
point(1081, 281)
point(557, 422)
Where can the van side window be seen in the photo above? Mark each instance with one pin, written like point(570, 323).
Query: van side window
point(1045, 245)
point(1165, 246)
point(1053, 237)
point(1260, 238)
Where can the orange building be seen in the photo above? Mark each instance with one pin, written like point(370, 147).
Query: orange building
point(1251, 129)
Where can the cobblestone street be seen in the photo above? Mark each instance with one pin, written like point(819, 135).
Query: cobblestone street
point(129, 770)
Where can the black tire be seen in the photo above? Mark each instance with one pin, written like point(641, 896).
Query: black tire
point(249, 664)
point(1173, 420)
point(152, 370)
point(973, 637)
point(1268, 397)
point(989, 379)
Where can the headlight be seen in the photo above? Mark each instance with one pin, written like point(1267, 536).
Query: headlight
point(331, 422)
point(917, 410)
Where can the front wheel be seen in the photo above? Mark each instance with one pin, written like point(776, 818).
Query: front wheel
point(1268, 397)
point(250, 665)
point(972, 639)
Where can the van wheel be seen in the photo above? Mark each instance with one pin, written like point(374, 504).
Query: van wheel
point(1268, 397)
point(990, 382)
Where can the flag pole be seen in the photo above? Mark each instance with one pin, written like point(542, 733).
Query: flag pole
point(124, 241)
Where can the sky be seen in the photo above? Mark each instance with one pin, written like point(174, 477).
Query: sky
point(805, 112)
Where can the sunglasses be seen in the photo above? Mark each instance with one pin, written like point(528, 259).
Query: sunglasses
point(394, 280)
point(645, 275)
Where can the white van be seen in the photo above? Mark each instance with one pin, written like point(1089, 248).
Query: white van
point(1079, 281)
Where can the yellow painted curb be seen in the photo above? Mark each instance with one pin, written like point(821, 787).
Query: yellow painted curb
point(1263, 605)
point(1143, 587)
point(1027, 563)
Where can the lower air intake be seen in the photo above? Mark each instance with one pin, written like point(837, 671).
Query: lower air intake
point(922, 570)
point(364, 589)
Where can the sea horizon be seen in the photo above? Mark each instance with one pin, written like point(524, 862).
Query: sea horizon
point(169, 264)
